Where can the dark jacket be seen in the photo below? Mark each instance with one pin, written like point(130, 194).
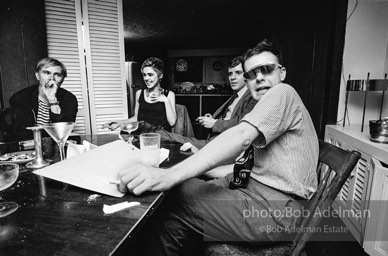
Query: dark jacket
point(244, 106)
point(24, 105)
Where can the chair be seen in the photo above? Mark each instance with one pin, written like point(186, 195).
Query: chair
point(334, 167)
point(183, 124)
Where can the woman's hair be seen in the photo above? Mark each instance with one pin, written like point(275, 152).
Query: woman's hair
point(265, 46)
point(155, 63)
point(50, 62)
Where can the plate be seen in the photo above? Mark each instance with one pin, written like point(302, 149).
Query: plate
point(20, 157)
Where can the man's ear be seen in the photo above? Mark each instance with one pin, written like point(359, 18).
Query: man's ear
point(160, 75)
point(283, 74)
point(37, 76)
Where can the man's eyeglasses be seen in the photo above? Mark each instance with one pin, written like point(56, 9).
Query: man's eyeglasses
point(264, 69)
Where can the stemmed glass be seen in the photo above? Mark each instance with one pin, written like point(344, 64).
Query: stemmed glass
point(60, 132)
point(129, 127)
point(9, 173)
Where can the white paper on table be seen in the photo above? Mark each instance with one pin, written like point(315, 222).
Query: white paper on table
point(95, 169)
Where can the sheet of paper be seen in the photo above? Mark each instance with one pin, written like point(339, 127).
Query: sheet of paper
point(95, 169)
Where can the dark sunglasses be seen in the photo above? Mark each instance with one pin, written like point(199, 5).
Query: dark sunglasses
point(264, 69)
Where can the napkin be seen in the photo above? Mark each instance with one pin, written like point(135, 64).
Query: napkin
point(163, 153)
point(75, 149)
point(95, 169)
point(108, 209)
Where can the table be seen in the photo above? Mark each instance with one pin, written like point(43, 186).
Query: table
point(69, 222)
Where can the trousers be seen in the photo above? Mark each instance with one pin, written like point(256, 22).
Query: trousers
point(198, 211)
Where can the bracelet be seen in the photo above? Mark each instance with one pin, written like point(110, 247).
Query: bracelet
point(54, 103)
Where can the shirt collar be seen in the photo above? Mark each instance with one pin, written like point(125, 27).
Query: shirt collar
point(241, 92)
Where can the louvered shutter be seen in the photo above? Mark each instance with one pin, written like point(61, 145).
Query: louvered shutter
point(87, 36)
point(105, 60)
point(353, 195)
point(65, 43)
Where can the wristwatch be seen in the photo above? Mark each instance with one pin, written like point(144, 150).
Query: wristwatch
point(54, 103)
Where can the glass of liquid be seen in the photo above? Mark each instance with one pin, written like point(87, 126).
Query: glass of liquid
point(150, 148)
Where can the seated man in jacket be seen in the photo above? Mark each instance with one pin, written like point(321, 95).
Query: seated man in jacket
point(228, 115)
point(45, 102)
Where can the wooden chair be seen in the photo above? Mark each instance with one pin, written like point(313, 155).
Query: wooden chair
point(334, 167)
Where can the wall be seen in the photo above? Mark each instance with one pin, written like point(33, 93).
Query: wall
point(311, 33)
point(207, 57)
point(366, 50)
point(22, 44)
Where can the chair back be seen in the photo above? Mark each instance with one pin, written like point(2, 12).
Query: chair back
point(334, 167)
point(183, 124)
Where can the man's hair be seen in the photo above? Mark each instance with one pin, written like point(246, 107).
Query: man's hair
point(155, 63)
point(50, 62)
point(265, 46)
point(235, 61)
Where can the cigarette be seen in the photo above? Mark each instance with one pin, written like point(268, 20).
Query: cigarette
point(49, 85)
point(117, 182)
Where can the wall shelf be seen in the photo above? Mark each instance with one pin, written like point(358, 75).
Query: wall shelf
point(365, 86)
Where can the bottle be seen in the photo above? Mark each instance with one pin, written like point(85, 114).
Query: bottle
point(242, 170)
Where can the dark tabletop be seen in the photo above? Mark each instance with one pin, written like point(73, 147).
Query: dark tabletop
point(70, 222)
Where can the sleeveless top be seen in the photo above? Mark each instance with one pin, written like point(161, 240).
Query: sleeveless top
point(153, 113)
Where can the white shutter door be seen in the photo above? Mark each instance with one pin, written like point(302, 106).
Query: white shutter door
point(65, 42)
point(105, 58)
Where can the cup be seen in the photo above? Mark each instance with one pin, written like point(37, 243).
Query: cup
point(150, 147)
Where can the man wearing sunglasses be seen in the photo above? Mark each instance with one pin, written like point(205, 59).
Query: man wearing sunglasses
point(285, 157)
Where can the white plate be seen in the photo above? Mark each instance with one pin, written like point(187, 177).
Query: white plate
point(20, 157)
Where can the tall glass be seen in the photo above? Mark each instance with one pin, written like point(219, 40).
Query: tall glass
point(9, 173)
point(150, 148)
point(129, 127)
point(60, 132)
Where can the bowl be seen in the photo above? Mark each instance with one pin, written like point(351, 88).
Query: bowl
point(378, 130)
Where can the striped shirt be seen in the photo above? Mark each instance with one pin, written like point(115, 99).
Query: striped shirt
point(286, 151)
point(43, 113)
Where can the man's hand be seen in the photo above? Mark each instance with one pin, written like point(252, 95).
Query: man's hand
point(50, 90)
point(206, 121)
point(111, 125)
point(140, 178)
point(186, 146)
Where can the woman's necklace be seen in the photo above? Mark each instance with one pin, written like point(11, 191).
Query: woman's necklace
point(158, 92)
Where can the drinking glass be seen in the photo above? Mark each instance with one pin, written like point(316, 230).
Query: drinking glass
point(60, 132)
point(150, 148)
point(9, 173)
point(130, 127)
